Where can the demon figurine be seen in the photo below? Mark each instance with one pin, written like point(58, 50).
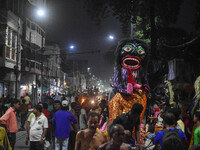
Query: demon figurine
point(129, 80)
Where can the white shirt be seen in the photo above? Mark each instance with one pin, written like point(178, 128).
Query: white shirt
point(37, 127)
point(160, 121)
point(82, 121)
point(58, 97)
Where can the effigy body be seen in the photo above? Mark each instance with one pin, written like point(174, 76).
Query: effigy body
point(130, 80)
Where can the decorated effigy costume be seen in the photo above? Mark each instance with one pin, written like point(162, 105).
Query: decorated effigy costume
point(195, 105)
point(130, 80)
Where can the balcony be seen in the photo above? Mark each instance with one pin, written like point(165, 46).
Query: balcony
point(31, 66)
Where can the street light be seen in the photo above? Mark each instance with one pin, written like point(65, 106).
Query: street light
point(41, 14)
point(111, 37)
point(72, 47)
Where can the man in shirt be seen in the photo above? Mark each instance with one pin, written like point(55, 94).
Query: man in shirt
point(83, 118)
point(24, 112)
point(131, 120)
point(27, 98)
point(29, 120)
point(90, 138)
point(169, 121)
point(10, 121)
point(196, 120)
point(62, 121)
point(57, 107)
point(38, 129)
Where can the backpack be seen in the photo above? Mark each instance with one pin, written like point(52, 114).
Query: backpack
point(171, 137)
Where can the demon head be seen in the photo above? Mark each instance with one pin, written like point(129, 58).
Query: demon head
point(130, 69)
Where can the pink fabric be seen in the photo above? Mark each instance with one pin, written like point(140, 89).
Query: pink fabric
point(156, 112)
point(129, 88)
point(131, 83)
point(9, 119)
point(104, 127)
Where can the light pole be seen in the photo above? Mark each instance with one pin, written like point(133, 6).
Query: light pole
point(41, 14)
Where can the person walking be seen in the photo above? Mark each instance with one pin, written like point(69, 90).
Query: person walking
point(83, 118)
point(27, 98)
point(62, 121)
point(57, 107)
point(38, 129)
point(9, 119)
point(24, 111)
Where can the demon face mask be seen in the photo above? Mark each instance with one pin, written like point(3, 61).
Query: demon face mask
point(130, 69)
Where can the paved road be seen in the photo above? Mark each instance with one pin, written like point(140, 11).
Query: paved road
point(20, 141)
point(21, 138)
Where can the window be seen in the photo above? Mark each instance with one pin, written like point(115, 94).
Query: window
point(11, 43)
point(14, 44)
point(33, 26)
point(7, 52)
point(9, 37)
point(32, 64)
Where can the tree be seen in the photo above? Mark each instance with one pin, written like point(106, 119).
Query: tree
point(154, 14)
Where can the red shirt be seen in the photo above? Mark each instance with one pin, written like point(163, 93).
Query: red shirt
point(9, 119)
point(46, 113)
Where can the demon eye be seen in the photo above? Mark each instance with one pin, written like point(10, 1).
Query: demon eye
point(140, 50)
point(127, 48)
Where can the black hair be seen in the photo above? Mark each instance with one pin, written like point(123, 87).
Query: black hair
point(176, 112)
point(66, 108)
point(151, 129)
point(130, 40)
point(169, 118)
point(38, 107)
point(197, 114)
point(57, 101)
point(45, 106)
point(112, 129)
point(137, 108)
point(23, 101)
point(93, 114)
point(40, 103)
point(103, 101)
point(73, 104)
point(14, 101)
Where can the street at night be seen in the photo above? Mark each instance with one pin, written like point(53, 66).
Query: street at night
point(99, 75)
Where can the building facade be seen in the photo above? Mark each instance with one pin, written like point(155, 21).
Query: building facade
point(10, 46)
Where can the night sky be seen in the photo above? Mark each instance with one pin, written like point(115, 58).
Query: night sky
point(68, 23)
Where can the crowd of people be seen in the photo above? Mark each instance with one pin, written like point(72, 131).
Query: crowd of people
point(66, 124)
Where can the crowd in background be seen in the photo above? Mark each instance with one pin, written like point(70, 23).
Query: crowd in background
point(70, 123)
